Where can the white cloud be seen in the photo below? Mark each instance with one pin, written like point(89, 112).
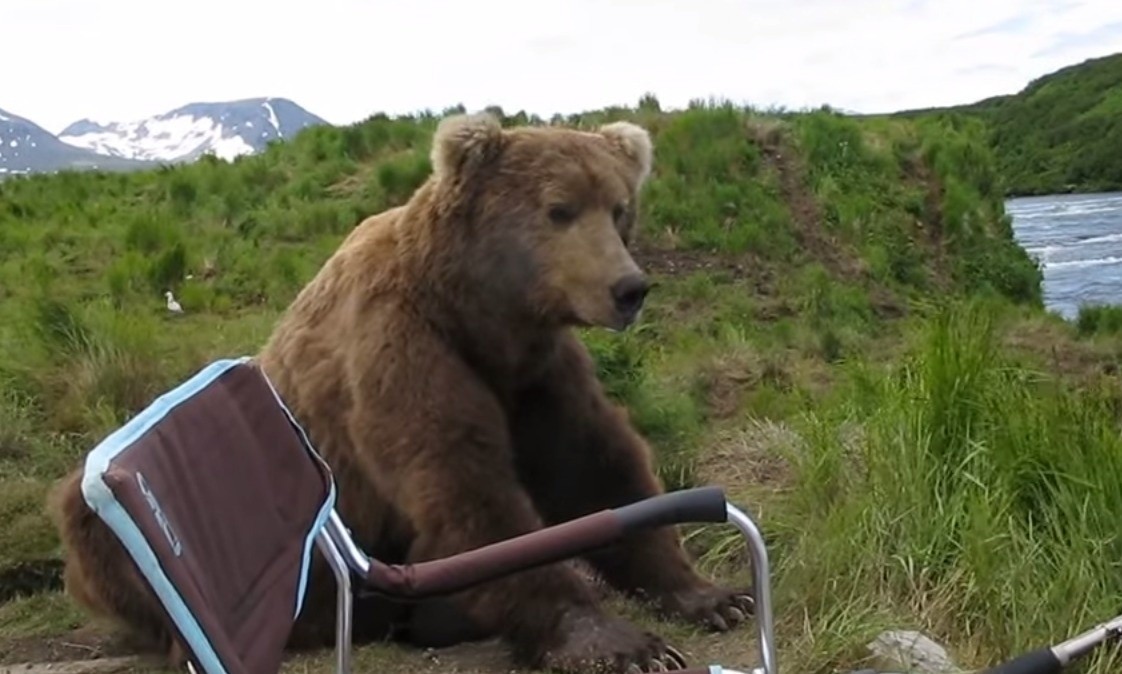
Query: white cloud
point(345, 59)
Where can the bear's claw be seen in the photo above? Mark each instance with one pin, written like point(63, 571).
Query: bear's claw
point(594, 643)
point(671, 660)
point(716, 607)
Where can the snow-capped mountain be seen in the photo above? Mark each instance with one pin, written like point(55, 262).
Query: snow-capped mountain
point(26, 147)
point(226, 129)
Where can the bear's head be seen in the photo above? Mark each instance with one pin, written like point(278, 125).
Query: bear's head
point(546, 215)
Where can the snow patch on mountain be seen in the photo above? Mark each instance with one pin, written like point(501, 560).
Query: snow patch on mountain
point(167, 139)
point(227, 130)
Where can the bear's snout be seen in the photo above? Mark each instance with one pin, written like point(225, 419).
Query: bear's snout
point(628, 294)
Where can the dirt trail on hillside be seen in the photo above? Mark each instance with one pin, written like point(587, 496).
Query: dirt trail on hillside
point(816, 242)
point(806, 214)
point(839, 258)
point(807, 220)
point(918, 173)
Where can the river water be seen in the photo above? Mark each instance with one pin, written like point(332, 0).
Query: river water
point(1078, 239)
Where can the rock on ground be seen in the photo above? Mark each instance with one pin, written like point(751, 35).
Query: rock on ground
point(912, 652)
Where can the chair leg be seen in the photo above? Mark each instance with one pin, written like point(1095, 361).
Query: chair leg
point(344, 610)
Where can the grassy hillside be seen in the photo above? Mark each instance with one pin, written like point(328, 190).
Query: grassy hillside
point(845, 336)
point(1061, 133)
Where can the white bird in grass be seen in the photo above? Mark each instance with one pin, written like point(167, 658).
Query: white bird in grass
point(173, 306)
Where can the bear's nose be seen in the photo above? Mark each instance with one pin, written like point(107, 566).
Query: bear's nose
point(629, 293)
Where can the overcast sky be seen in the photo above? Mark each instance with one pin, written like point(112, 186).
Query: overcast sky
point(345, 59)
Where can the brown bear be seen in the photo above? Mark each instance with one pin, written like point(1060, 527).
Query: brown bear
point(433, 362)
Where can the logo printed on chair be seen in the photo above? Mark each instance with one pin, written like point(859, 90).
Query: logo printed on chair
point(165, 525)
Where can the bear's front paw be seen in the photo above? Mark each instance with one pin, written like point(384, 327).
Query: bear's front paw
point(719, 608)
point(593, 643)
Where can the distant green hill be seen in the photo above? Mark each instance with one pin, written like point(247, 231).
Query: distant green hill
point(1061, 133)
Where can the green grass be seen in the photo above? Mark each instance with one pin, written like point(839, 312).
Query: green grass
point(41, 615)
point(851, 355)
point(1099, 319)
point(978, 499)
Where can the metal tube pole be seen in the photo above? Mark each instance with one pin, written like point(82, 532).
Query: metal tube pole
point(345, 546)
point(761, 586)
point(344, 609)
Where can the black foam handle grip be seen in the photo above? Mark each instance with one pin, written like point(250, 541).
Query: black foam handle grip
point(701, 504)
point(1040, 661)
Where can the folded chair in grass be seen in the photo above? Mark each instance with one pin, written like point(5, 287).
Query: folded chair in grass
point(220, 499)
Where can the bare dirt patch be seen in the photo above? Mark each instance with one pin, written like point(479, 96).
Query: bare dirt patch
point(728, 378)
point(671, 262)
point(750, 458)
point(85, 643)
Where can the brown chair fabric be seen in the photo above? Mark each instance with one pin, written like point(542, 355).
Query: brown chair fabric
point(217, 480)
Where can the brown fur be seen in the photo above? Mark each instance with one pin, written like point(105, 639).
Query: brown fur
point(102, 577)
point(433, 363)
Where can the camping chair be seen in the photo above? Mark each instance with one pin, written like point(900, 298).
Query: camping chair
point(219, 497)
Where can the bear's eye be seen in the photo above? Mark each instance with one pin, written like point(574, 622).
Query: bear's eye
point(562, 214)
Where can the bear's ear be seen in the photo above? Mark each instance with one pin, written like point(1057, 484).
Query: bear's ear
point(635, 143)
point(464, 142)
